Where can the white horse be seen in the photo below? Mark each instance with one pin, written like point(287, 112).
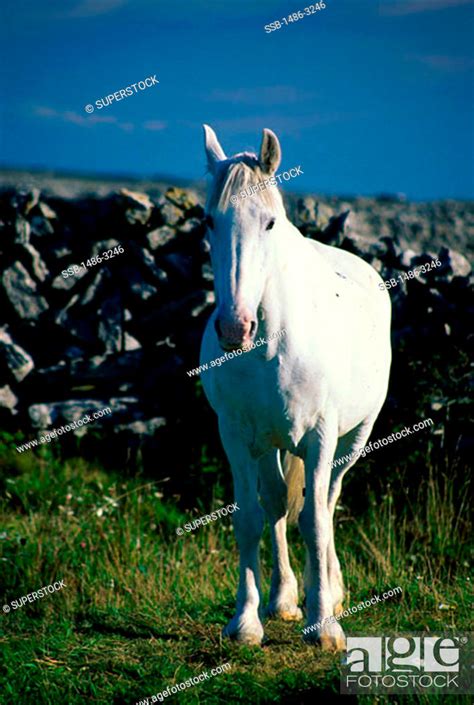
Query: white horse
point(314, 391)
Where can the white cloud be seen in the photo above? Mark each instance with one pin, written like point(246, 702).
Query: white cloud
point(411, 7)
point(154, 125)
point(279, 122)
point(444, 62)
point(91, 8)
point(45, 112)
point(264, 95)
point(82, 120)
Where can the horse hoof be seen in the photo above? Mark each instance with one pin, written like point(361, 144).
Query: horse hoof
point(331, 639)
point(328, 642)
point(293, 614)
point(252, 635)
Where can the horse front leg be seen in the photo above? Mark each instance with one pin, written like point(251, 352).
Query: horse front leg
point(316, 527)
point(274, 495)
point(245, 626)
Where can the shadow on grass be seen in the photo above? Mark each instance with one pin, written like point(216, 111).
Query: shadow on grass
point(121, 625)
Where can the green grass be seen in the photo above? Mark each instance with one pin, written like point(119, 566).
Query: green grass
point(144, 608)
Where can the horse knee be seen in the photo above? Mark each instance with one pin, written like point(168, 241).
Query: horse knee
point(248, 524)
point(315, 527)
point(275, 505)
point(305, 525)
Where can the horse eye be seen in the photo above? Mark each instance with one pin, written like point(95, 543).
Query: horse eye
point(270, 225)
point(209, 222)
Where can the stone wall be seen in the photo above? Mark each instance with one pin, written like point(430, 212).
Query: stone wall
point(123, 333)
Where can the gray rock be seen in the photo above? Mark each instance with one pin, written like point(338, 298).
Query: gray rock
point(61, 317)
point(182, 198)
point(61, 252)
point(170, 214)
point(323, 216)
point(93, 290)
point(393, 250)
point(334, 232)
point(130, 343)
point(78, 321)
point(23, 230)
point(32, 200)
point(46, 211)
point(159, 237)
point(190, 225)
point(147, 427)
point(125, 406)
point(102, 246)
point(455, 262)
point(21, 291)
point(38, 267)
point(359, 245)
point(143, 290)
point(407, 257)
point(166, 342)
point(44, 415)
point(137, 216)
point(206, 272)
point(138, 206)
point(204, 246)
point(62, 284)
point(306, 211)
point(110, 325)
point(148, 261)
point(8, 400)
point(40, 226)
point(424, 258)
point(209, 300)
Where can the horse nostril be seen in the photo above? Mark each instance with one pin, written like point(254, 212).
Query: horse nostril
point(253, 327)
point(218, 328)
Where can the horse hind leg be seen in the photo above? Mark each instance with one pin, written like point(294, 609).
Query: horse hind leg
point(315, 527)
point(346, 446)
point(283, 601)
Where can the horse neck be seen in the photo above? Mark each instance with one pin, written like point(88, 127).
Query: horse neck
point(292, 279)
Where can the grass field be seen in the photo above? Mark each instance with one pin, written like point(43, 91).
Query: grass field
point(143, 608)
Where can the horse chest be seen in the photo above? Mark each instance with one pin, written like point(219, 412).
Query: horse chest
point(265, 403)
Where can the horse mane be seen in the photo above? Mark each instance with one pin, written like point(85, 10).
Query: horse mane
point(237, 174)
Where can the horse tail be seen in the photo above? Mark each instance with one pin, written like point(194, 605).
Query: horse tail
point(293, 470)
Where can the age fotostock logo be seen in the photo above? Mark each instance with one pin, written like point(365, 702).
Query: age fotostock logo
point(408, 663)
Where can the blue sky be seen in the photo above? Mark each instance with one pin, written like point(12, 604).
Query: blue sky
point(366, 96)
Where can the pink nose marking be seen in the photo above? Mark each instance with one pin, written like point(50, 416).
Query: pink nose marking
point(237, 328)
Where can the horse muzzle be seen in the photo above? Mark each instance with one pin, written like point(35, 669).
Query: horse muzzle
point(233, 333)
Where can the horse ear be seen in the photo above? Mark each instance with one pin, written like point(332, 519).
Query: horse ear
point(214, 151)
point(270, 152)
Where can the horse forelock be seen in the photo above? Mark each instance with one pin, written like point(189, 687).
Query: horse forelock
point(235, 175)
